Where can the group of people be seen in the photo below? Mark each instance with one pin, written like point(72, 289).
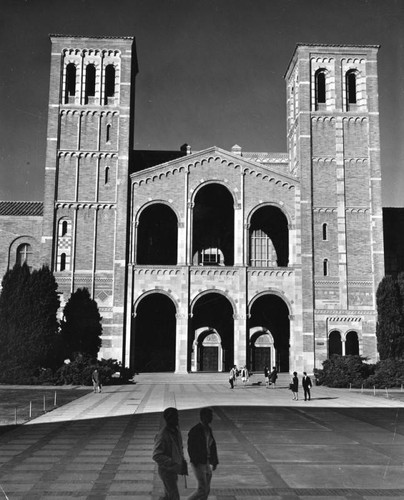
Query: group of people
point(169, 455)
point(306, 384)
point(235, 373)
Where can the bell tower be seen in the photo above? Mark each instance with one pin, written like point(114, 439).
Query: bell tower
point(89, 142)
point(333, 141)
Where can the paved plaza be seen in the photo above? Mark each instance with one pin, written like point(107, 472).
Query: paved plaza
point(344, 444)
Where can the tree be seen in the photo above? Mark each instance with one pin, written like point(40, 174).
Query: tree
point(389, 329)
point(28, 307)
point(81, 326)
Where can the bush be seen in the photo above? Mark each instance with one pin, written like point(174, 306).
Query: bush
point(388, 373)
point(342, 371)
point(79, 371)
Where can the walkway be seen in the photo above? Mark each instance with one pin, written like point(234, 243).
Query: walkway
point(342, 444)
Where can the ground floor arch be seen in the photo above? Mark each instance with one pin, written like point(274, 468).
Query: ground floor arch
point(270, 313)
point(153, 334)
point(352, 343)
point(211, 334)
point(334, 343)
point(262, 349)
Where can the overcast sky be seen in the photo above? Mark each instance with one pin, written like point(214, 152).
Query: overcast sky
point(210, 73)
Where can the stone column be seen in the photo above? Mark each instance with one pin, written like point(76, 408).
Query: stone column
point(240, 339)
point(181, 343)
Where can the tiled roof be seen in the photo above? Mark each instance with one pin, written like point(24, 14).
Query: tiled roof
point(21, 208)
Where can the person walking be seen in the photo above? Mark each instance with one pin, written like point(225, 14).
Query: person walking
point(169, 455)
point(95, 377)
point(273, 376)
point(294, 386)
point(232, 376)
point(202, 452)
point(244, 375)
point(266, 376)
point(306, 383)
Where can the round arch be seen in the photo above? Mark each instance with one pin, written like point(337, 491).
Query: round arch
point(209, 291)
point(153, 333)
point(157, 235)
point(352, 343)
point(270, 312)
point(212, 318)
point(155, 201)
point(269, 204)
point(334, 342)
point(270, 291)
point(204, 184)
point(152, 292)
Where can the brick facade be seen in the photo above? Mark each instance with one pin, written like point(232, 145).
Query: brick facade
point(220, 257)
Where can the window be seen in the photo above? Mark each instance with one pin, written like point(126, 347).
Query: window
point(325, 232)
point(109, 82)
point(262, 250)
point(24, 254)
point(108, 137)
point(63, 262)
point(350, 82)
point(64, 228)
point(325, 267)
point(70, 81)
point(90, 82)
point(106, 176)
point(320, 88)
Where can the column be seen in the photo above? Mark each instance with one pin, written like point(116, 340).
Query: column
point(181, 343)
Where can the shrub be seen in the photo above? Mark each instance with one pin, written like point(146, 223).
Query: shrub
point(341, 371)
point(79, 371)
point(388, 373)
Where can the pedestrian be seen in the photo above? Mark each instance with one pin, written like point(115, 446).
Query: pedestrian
point(244, 375)
point(306, 383)
point(266, 376)
point(294, 386)
point(273, 376)
point(202, 452)
point(169, 455)
point(95, 377)
point(232, 376)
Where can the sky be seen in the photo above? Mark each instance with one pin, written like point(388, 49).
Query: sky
point(211, 73)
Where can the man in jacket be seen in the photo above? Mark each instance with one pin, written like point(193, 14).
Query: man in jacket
point(169, 455)
point(202, 452)
point(306, 383)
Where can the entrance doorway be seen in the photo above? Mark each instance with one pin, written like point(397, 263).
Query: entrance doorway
point(153, 335)
point(208, 351)
point(262, 351)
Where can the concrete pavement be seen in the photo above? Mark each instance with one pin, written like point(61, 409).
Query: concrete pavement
point(342, 444)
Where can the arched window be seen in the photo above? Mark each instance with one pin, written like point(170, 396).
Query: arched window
point(325, 267)
point(320, 88)
point(108, 135)
point(109, 82)
point(64, 228)
point(90, 82)
point(24, 254)
point(63, 262)
point(325, 232)
point(334, 343)
point(106, 176)
point(350, 82)
point(70, 89)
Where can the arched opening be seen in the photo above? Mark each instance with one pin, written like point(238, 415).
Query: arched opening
point(212, 326)
point(64, 228)
point(270, 313)
point(157, 236)
point(213, 227)
point(334, 343)
point(350, 83)
point(106, 175)
point(269, 238)
point(153, 335)
point(352, 344)
point(109, 82)
point(63, 262)
point(70, 88)
point(262, 351)
point(24, 255)
point(325, 232)
point(320, 84)
point(90, 83)
point(108, 134)
point(325, 267)
point(209, 352)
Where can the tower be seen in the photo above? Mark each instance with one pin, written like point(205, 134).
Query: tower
point(89, 141)
point(333, 141)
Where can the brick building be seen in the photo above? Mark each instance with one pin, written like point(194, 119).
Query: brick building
point(201, 260)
